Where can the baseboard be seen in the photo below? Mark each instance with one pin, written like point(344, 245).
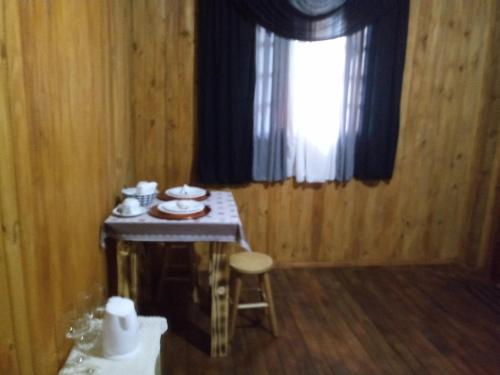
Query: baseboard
point(333, 264)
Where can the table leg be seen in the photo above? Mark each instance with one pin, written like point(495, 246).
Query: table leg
point(135, 266)
point(123, 269)
point(220, 300)
point(128, 264)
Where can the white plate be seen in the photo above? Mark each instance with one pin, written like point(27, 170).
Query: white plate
point(142, 210)
point(193, 192)
point(172, 207)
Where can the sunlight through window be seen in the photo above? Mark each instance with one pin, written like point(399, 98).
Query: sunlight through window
point(317, 92)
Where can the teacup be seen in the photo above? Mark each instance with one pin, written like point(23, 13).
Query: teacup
point(129, 206)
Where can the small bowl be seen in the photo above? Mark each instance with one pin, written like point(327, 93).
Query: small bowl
point(147, 199)
point(144, 200)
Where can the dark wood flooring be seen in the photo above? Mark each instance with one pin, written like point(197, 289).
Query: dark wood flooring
point(375, 320)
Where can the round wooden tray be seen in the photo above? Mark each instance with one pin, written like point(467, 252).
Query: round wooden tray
point(154, 211)
point(164, 197)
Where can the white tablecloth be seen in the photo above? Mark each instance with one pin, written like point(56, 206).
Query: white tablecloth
point(145, 362)
point(222, 224)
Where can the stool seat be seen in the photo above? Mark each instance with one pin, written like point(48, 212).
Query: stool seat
point(251, 263)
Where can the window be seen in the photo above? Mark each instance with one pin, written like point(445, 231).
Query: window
point(307, 106)
point(244, 113)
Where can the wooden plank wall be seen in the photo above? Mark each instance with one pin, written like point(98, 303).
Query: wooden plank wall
point(97, 94)
point(65, 114)
point(484, 194)
point(418, 217)
point(9, 362)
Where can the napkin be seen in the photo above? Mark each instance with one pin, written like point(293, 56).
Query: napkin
point(146, 188)
point(185, 190)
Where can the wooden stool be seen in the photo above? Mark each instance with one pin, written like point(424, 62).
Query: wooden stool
point(251, 263)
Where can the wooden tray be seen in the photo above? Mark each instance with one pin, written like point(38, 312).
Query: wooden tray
point(154, 211)
point(164, 197)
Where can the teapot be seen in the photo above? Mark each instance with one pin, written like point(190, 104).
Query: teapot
point(120, 329)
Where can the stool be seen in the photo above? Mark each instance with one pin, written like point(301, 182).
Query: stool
point(258, 264)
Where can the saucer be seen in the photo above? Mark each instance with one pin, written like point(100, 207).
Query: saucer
point(141, 211)
point(132, 192)
point(129, 191)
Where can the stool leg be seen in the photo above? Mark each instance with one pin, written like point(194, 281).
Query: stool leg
point(270, 301)
point(236, 301)
point(262, 292)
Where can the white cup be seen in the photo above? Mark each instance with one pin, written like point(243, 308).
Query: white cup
point(129, 206)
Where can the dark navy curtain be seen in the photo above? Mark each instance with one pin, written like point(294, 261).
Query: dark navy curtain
point(226, 76)
point(226, 81)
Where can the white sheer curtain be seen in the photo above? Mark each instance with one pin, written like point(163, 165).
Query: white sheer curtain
point(316, 100)
point(270, 107)
point(307, 107)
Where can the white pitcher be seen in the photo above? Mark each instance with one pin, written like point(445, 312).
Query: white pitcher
point(120, 328)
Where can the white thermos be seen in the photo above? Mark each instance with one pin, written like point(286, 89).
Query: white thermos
point(120, 328)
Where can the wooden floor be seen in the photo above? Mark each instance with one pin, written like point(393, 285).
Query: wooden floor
point(377, 320)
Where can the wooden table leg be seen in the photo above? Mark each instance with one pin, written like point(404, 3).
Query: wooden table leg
point(135, 266)
point(123, 269)
point(219, 278)
point(128, 264)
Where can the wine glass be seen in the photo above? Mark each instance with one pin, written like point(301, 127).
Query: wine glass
point(78, 329)
point(97, 301)
point(75, 329)
point(84, 305)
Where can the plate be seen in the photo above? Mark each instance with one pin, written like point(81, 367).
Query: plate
point(155, 212)
point(141, 211)
point(182, 207)
point(193, 192)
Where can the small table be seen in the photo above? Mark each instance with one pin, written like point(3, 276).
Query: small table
point(145, 362)
point(221, 226)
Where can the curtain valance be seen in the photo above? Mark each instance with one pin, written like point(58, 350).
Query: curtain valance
point(313, 20)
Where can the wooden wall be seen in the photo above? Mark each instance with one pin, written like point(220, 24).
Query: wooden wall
point(423, 215)
point(8, 244)
point(484, 195)
point(66, 151)
point(97, 94)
